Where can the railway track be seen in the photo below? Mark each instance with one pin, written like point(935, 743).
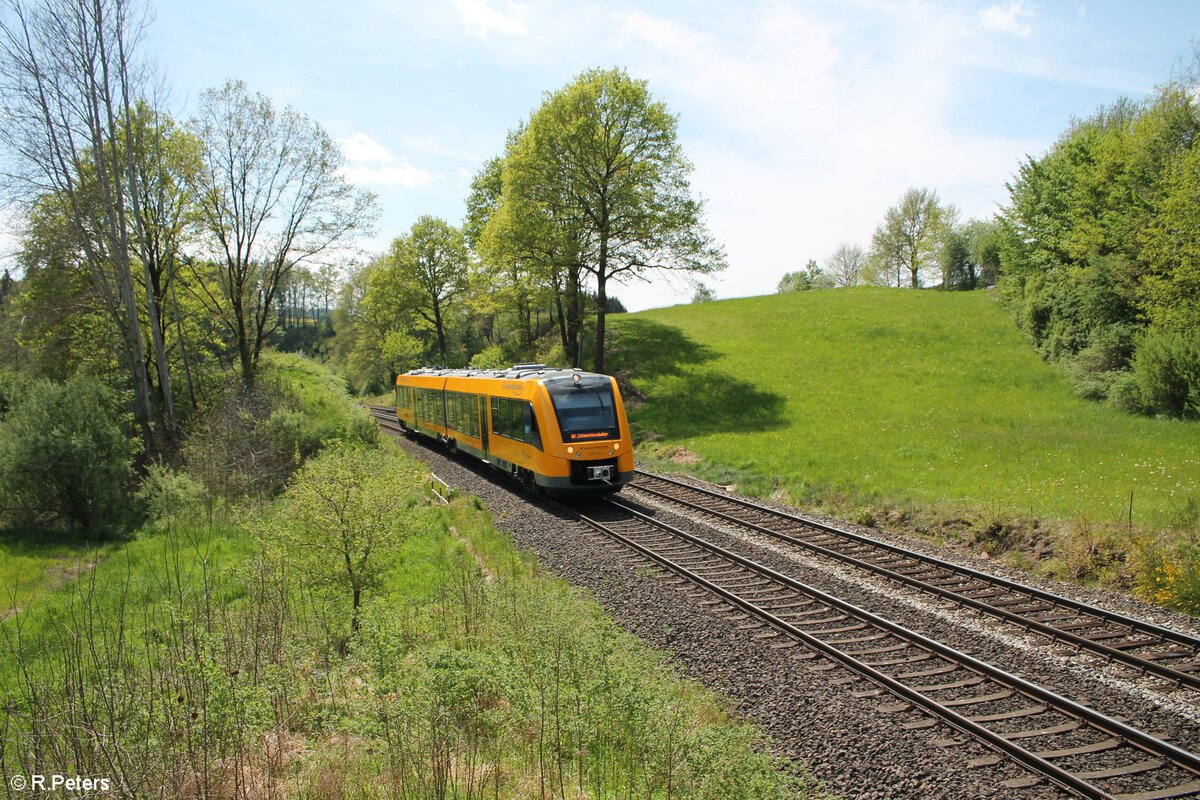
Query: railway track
point(1053, 738)
point(1148, 648)
point(1071, 745)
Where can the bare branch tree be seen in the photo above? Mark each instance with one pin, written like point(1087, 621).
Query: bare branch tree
point(68, 84)
point(846, 264)
point(271, 196)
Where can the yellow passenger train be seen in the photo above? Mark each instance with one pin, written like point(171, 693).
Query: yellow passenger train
point(561, 431)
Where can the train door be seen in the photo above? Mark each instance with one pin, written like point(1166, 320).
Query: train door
point(485, 423)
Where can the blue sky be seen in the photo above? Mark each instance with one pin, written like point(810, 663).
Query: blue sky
point(805, 120)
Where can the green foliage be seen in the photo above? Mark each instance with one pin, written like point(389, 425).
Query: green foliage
point(12, 388)
point(169, 661)
point(343, 515)
point(803, 280)
point(1168, 572)
point(1098, 242)
point(878, 396)
point(703, 294)
point(170, 497)
point(905, 245)
point(1166, 372)
point(499, 677)
point(598, 181)
point(428, 274)
point(251, 439)
point(958, 258)
point(65, 456)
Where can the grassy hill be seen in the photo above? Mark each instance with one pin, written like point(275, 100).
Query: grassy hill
point(892, 396)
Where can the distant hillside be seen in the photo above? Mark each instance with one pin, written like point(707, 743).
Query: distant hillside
point(884, 395)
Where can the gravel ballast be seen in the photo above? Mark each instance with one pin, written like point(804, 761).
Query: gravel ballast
point(858, 746)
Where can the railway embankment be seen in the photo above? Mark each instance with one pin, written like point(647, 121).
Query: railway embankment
point(865, 742)
point(926, 412)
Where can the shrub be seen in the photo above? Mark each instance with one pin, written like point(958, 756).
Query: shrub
point(342, 516)
point(1123, 393)
point(169, 496)
point(1168, 572)
point(12, 386)
point(1167, 372)
point(491, 357)
point(234, 450)
point(65, 456)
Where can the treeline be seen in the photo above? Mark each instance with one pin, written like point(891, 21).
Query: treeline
point(1101, 251)
point(591, 190)
point(158, 259)
point(921, 242)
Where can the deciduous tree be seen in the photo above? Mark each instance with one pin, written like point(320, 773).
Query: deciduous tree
point(430, 263)
point(906, 241)
point(271, 195)
point(601, 158)
point(70, 82)
point(345, 512)
point(846, 264)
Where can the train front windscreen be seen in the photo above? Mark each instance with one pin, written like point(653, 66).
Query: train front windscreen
point(585, 409)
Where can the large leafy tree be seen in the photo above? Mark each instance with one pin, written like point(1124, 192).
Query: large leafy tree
point(601, 166)
point(430, 269)
point(1098, 252)
point(905, 243)
point(271, 195)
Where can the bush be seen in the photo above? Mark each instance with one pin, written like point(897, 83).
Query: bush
point(169, 496)
point(1168, 572)
point(491, 357)
point(12, 387)
point(65, 456)
point(251, 440)
point(1166, 368)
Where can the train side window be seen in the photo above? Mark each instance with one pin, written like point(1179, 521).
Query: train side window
point(532, 435)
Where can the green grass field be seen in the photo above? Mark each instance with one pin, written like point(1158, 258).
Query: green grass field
point(899, 397)
point(34, 562)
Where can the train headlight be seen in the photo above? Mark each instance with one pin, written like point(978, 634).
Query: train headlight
point(617, 446)
point(570, 450)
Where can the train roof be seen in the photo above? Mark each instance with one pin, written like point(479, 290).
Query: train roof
point(515, 372)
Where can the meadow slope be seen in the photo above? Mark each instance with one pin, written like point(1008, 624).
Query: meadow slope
point(900, 397)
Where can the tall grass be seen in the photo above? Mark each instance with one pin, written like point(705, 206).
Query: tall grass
point(200, 662)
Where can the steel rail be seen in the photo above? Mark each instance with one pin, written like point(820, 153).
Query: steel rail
point(1028, 759)
point(1162, 635)
point(1066, 779)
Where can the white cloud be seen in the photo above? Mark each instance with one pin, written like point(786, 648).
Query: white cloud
point(361, 148)
point(370, 162)
point(803, 133)
point(482, 20)
point(403, 174)
point(1007, 18)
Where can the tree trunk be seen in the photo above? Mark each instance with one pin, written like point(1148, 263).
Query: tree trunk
point(574, 317)
point(441, 330)
point(562, 321)
point(601, 301)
